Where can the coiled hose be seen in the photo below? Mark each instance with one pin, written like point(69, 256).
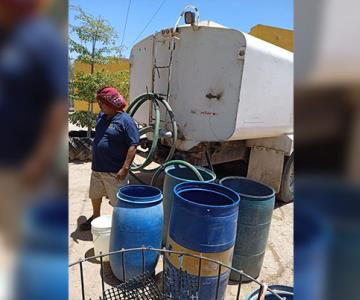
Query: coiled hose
point(156, 100)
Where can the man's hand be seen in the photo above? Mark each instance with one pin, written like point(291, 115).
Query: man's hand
point(44, 151)
point(33, 172)
point(121, 175)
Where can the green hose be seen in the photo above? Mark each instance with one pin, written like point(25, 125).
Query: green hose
point(148, 159)
point(175, 162)
point(174, 128)
point(156, 100)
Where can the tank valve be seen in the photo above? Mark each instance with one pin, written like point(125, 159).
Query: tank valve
point(165, 134)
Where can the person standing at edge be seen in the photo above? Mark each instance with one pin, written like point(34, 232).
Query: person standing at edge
point(114, 149)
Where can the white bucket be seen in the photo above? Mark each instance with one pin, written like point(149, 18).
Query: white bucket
point(101, 229)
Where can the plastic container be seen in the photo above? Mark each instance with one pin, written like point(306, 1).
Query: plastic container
point(101, 229)
point(137, 221)
point(328, 247)
point(255, 213)
point(286, 292)
point(173, 176)
point(41, 265)
point(203, 221)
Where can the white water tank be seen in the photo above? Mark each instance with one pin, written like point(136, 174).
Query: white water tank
point(224, 84)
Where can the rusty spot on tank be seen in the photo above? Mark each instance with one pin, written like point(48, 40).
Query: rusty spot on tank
point(214, 96)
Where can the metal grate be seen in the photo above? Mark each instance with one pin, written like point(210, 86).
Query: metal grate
point(175, 284)
point(181, 284)
point(141, 287)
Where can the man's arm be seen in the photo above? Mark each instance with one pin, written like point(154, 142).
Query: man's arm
point(121, 175)
point(45, 149)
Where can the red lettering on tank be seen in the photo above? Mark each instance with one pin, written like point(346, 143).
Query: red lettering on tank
point(208, 113)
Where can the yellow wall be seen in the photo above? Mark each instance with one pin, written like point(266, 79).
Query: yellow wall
point(83, 106)
point(280, 37)
point(116, 65)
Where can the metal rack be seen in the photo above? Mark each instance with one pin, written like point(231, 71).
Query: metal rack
point(144, 287)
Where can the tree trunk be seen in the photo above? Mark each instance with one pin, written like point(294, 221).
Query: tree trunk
point(90, 103)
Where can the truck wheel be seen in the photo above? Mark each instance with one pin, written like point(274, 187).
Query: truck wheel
point(80, 148)
point(286, 193)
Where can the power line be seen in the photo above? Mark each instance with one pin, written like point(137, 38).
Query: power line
point(126, 20)
point(148, 23)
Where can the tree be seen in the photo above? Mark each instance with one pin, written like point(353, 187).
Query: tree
point(94, 45)
point(84, 86)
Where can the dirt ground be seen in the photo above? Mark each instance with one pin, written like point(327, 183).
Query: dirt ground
point(277, 267)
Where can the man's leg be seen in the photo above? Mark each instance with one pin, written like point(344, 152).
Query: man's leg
point(96, 192)
point(96, 204)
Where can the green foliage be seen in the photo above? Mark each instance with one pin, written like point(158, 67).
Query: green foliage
point(84, 86)
point(95, 45)
point(96, 38)
point(83, 119)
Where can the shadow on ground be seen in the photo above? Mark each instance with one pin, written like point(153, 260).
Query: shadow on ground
point(91, 253)
point(79, 162)
point(109, 277)
point(81, 235)
point(111, 280)
point(279, 204)
point(234, 282)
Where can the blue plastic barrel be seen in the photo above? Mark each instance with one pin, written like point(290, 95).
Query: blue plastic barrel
point(203, 221)
point(311, 242)
point(42, 262)
point(330, 206)
point(285, 292)
point(255, 212)
point(137, 221)
point(174, 175)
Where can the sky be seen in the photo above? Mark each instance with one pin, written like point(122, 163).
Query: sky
point(236, 14)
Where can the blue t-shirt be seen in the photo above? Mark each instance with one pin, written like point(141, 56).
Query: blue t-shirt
point(113, 137)
point(33, 76)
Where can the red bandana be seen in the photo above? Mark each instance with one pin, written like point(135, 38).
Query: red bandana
point(110, 96)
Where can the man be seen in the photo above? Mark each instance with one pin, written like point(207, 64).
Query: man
point(33, 120)
point(114, 149)
point(33, 105)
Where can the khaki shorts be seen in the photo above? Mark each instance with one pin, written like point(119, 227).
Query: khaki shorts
point(103, 184)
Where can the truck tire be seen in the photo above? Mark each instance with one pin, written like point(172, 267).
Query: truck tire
point(72, 150)
point(80, 148)
point(286, 193)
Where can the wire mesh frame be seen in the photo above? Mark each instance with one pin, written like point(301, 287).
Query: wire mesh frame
point(144, 277)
